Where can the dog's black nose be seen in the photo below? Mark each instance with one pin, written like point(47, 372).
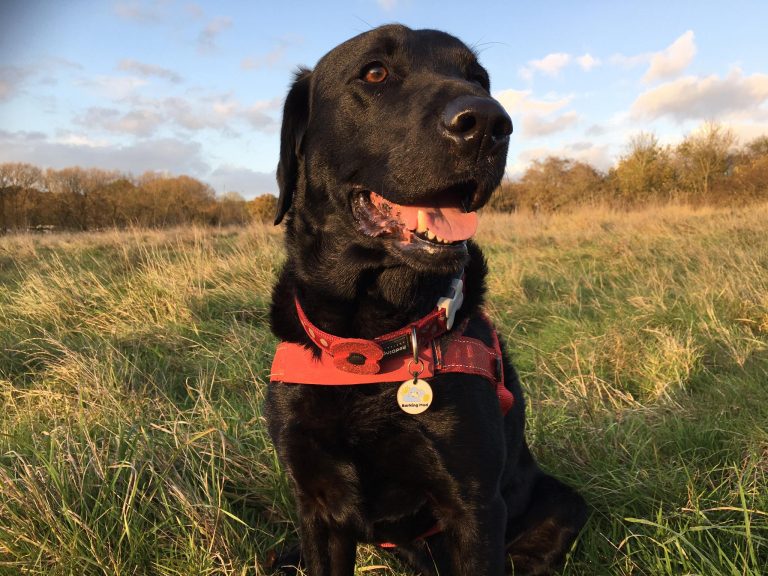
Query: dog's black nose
point(468, 120)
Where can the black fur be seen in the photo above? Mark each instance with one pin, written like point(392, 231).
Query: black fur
point(363, 470)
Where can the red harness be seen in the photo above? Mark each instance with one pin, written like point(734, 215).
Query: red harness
point(353, 361)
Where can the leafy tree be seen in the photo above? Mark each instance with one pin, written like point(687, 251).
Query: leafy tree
point(758, 147)
point(115, 200)
point(751, 171)
point(175, 200)
point(262, 208)
point(18, 181)
point(232, 209)
point(76, 194)
point(555, 183)
point(506, 197)
point(705, 159)
point(645, 174)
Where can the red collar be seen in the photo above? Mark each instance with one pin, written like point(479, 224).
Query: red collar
point(360, 356)
point(353, 361)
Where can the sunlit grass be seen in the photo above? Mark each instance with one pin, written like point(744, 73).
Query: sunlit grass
point(133, 366)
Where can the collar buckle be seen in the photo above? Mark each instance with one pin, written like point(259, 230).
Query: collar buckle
point(452, 302)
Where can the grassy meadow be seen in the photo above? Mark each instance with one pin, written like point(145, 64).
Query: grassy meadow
point(133, 368)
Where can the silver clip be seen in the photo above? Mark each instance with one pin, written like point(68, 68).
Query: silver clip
point(415, 362)
point(452, 303)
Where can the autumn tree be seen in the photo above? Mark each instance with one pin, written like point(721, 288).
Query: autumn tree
point(750, 174)
point(262, 208)
point(18, 182)
point(175, 200)
point(704, 159)
point(506, 197)
point(77, 194)
point(116, 199)
point(555, 183)
point(645, 174)
point(232, 209)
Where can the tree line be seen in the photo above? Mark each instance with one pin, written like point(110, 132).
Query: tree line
point(91, 199)
point(706, 168)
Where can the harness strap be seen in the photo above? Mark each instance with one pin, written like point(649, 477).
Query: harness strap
point(453, 353)
point(296, 364)
point(458, 353)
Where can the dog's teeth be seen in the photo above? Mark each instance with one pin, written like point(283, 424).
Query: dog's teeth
point(430, 235)
point(437, 238)
point(421, 220)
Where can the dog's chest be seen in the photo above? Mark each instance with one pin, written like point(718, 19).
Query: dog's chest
point(357, 459)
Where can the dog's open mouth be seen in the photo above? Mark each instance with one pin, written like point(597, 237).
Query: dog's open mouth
point(442, 225)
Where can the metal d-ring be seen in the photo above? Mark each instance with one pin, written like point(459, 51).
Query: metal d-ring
point(415, 361)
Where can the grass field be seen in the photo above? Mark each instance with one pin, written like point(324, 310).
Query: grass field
point(133, 367)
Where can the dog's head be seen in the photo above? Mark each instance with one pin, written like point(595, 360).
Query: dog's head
point(393, 141)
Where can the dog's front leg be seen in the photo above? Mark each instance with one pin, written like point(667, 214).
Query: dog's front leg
point(326, 551)
point(475, 541)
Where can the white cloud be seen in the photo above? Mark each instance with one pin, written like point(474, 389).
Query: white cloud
point(249, 183)
point(596, 130)
point(268, 60)
point(147, 70)
point(694, 98)
point(114, 87)
point(194, 10)
point(78, 139)
point(630, 61)
point(221, 113)
point(672, 60)
point(11, 79)
point(519, 102)
point(193, 117)
point(587, 62)
point(749, 131)
point(553, 64)
point(550, 65)
point(533, 113)
point(664, 64)
point(387, 5)
point(140, 12)
point(257, 115)
point(207, 38)
point(139, 122)
point(537, 126)
point(597, 156)
point(147, 116)
point(165, 154)
point(274, 56)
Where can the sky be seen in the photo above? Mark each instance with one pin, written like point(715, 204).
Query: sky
point(196, 87)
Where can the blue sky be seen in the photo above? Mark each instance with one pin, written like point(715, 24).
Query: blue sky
point(196, 87)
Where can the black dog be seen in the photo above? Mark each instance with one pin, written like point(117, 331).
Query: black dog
point(388, 147)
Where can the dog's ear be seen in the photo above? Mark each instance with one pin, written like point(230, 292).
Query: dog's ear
point(295, 119)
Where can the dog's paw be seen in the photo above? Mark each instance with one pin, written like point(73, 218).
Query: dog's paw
point(527, 565)
point(286, 562)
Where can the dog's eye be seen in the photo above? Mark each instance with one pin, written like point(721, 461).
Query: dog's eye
point(375, 73)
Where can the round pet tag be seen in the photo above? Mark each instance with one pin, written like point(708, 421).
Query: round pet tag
point(414, 396)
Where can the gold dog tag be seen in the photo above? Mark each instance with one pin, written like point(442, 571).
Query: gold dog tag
point(414, 396)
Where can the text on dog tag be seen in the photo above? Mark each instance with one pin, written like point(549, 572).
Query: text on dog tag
point(414, 396)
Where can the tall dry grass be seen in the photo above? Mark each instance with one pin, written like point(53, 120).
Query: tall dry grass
point(133, 364)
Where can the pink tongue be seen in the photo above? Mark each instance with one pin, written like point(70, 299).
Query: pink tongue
point(450, 223)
